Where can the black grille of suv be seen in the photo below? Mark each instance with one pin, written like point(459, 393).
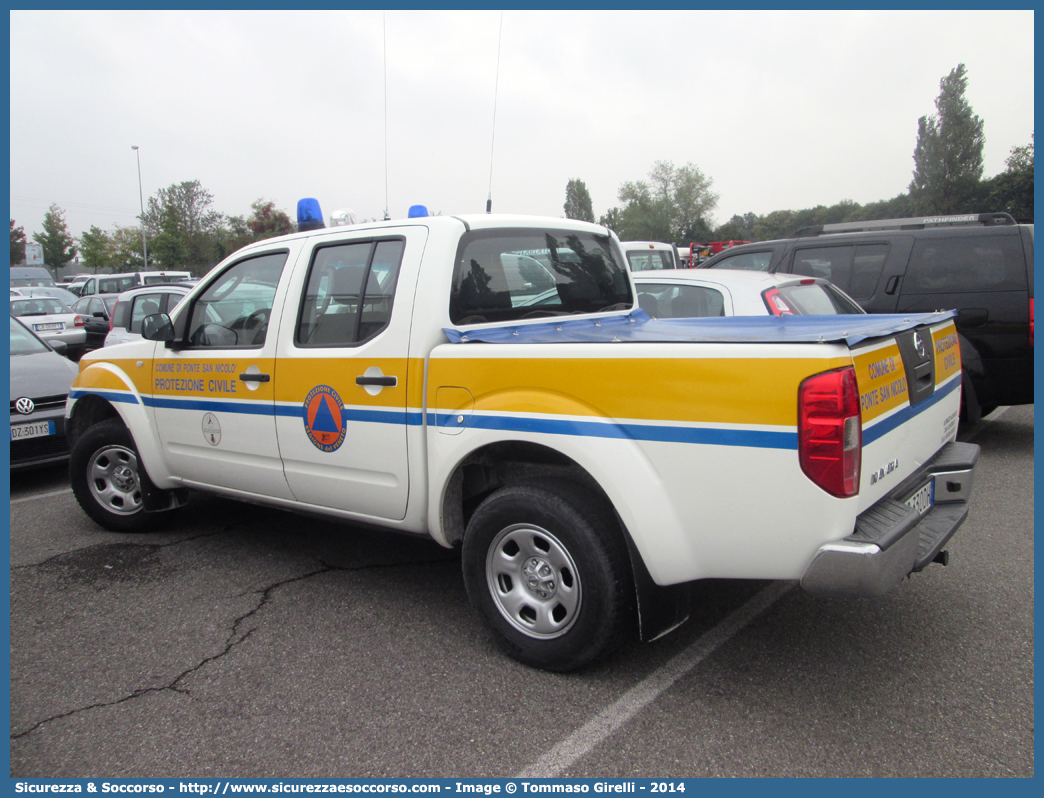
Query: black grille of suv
point(43, 403)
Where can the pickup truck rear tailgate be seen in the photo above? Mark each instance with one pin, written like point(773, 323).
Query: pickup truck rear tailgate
point(916, 479)
point(912, 374)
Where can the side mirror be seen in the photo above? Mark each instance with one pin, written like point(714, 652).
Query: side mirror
point(60, 347)
point(157, 327)
point(100, 315)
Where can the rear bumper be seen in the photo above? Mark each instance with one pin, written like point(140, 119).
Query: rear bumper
point(891, 540)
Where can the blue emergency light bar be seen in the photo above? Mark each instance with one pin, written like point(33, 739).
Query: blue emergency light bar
point(309, 215)
point(417, 212)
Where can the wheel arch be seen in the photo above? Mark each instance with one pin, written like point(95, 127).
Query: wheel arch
point(103, 391)
point(494, 465)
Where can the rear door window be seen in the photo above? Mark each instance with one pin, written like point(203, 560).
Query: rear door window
point(856, 270)
point(350, 292)
point(966, 264)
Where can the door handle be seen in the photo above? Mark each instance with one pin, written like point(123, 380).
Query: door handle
point(384, 382)
point(254, 377)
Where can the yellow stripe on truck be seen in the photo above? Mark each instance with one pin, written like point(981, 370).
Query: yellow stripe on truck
point(749, 391)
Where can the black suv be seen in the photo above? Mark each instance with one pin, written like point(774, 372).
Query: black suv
point(980, 265)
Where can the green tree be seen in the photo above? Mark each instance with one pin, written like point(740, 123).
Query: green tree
point(672, 206)
point(267, 222)
point(1012, 190)
point(234, 234)
point(184, 215)
point(125, 253)
point(578, 201)
point(170, 246)
point(17, 244)
point(948, 155)
point(96, 248)
point(55, 240)
point(612, 219)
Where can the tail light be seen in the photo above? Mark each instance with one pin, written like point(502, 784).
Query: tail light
point(830, 431)
point(79, 321)
point(112, 313)
point(775, 303)
point(1031, 322)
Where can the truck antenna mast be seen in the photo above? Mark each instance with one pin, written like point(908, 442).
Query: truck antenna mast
point(384, 27)
point(493, 138)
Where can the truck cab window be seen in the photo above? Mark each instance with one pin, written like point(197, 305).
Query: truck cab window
point(234, 310)
point(508, 275)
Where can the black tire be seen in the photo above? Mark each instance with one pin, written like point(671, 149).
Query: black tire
point(107, 476)
point(547, 568)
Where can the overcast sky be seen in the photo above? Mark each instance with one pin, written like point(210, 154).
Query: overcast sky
point(782, 110)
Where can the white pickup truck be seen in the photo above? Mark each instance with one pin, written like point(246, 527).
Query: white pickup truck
point(489, 382)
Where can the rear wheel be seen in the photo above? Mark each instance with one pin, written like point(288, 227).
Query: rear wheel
point(547, 569)
point(107, 476)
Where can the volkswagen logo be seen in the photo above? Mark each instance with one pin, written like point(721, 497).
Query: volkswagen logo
point(918, 345)
point(25, 405)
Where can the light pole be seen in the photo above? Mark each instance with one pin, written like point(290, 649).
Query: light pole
point(141, 199)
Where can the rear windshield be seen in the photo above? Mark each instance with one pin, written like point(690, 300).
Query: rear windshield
point(38, 306)
point(506, 275)
point(816, 299)
point(650, 260)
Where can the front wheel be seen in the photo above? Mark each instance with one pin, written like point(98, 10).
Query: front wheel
point(107, 476)
point(547, 569)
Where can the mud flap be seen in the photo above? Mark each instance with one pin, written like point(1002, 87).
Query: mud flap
point(660, 609)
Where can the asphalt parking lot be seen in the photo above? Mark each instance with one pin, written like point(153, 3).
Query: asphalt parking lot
point(246, 642)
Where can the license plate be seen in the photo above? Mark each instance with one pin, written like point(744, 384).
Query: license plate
point(42, 327)
point(923, 500)
point(38, 429)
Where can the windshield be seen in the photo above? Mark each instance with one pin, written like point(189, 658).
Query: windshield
point(505, 275)
point(24, 342)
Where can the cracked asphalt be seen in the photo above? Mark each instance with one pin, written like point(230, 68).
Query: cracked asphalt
point(241, 641)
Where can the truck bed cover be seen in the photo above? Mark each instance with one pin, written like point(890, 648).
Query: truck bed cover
point(638, 327)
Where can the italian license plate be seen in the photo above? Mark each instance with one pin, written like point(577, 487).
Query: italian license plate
point(38, 429)
point(923, 500)
point(43, 327)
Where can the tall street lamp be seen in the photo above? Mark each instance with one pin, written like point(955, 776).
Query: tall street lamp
point(141, 199)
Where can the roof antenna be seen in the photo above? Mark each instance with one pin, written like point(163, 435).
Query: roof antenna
point(496, 87)
point(384, 24)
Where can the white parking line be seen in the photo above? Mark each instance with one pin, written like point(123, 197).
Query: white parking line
point(40, 496)
point(988, 420)
point(608, 721)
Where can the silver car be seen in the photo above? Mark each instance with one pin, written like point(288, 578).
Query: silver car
point(52, 320)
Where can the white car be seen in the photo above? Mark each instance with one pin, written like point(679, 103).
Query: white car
point(52, 320)
point(689, 293)
point(134, 305)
